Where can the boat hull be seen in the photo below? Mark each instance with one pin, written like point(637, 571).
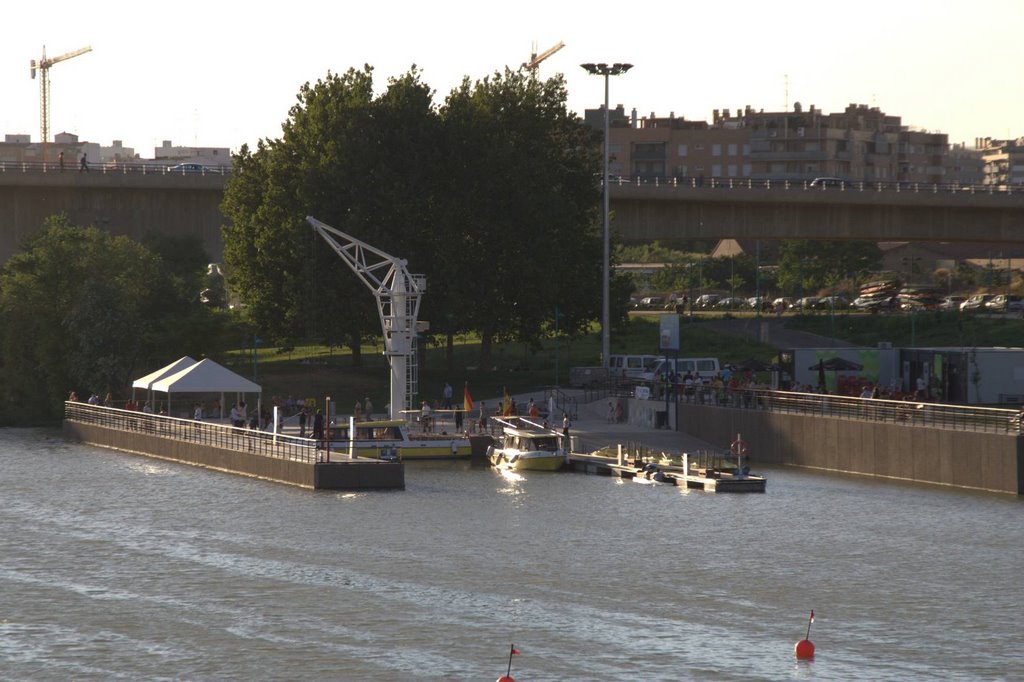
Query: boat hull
point(545, 462)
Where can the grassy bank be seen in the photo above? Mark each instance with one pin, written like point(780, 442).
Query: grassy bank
point(317, 371)
point(923, 329)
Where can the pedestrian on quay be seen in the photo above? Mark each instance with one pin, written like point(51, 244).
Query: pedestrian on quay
point(565, 427)
point(84, 165)
point(368, 408)
point(318, 425)
point(60, 159)
point(303, 416)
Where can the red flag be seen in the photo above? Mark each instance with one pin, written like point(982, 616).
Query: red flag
point(467, 399)
point(515, 652)
point(812, 615)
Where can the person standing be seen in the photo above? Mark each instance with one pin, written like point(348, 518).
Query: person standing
point(425, 416)
point(483, 417)
point(60, 159)
point(447, 394)
point(565, 427)
point(303, 416)
point(368, 408)
point(318, 425)
point(84, 165)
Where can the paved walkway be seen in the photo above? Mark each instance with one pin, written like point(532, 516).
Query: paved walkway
point(592, 430)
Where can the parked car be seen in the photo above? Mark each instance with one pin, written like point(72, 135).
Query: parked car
point(874, 302)
point(782, 303)
point(805, 303)
point(731, 303)
point(952, 302)
point(831, 303)
point(706, 301)
point(763, 303)
point(976, 302)
point(1005, 303)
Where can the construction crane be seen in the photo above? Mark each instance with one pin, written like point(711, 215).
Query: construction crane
point(536, 59)
point(43, 66)
point(398, 303)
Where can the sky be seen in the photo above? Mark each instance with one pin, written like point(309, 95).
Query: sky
point(222, 74)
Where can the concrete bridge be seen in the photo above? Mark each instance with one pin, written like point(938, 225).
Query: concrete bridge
point(134, 200)
point(671, 212)
point(129, 201)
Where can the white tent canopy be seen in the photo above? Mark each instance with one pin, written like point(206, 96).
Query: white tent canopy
point(147, 381)
point(205, 376)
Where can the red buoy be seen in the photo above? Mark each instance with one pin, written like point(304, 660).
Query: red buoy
point(804, 649)
point(505, 678)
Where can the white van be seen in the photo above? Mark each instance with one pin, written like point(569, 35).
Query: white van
point(705, 368)
point(630, 366)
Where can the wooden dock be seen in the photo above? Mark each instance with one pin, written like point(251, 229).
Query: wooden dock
point(703, 472)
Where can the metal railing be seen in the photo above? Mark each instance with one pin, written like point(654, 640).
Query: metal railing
point(919, 413)
point(692, 182)
point(253, 441)
point(122, 168)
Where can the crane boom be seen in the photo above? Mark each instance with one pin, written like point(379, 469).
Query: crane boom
point(398, 294)
point(43, 66)
point(536, 59)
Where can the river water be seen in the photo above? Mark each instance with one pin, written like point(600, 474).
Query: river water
point(114, 566)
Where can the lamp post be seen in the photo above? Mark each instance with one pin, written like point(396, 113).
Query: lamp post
point(606, 70)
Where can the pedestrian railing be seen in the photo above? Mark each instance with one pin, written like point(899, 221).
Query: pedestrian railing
point(920, 413)
point(253, 441)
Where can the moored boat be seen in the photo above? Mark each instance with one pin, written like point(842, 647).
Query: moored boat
point(390, 439)
point(520, 448)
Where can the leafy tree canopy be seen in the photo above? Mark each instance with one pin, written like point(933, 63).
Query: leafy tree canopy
point(805, 266)
point(82, 310)
point(492, 196)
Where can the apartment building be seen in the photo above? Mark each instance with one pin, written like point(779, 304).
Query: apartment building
point(1002, 161)
point(860, 143)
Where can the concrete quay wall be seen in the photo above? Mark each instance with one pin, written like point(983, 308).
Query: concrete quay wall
point(337, 475)
point(964, 459)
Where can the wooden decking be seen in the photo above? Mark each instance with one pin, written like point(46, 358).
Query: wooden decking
point(710, 479)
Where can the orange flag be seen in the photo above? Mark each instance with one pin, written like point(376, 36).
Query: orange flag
point(467, 399)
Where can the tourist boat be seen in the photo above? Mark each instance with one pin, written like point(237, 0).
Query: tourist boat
point(390, 439)
point(527, 449)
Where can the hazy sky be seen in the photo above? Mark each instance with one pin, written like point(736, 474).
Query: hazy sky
point(221, 74)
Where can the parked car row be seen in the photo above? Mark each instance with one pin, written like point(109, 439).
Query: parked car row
point(904, 301)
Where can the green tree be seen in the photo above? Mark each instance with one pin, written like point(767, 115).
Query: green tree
point(523, 205)
point(83, 310)
point(808, 266)
point(493, 197)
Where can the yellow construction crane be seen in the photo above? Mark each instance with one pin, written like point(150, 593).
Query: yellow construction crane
point(43, 66)
point(536, 59)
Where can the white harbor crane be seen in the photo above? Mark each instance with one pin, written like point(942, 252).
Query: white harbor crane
point(43, 66)
point(536, 59)
point(398, 303)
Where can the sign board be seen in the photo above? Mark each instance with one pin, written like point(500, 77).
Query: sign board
point(643, 392)
point(668, 338)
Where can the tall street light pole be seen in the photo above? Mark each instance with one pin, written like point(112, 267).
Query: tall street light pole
point(606, 70)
